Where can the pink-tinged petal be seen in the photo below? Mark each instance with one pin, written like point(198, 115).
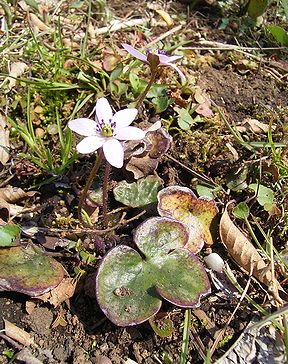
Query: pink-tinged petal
point(90, 144)
point(103, 110)
point(154, 127)
point(130, 133)
point(174, 58)
point(166, 60)
point(124, 117)
point(114, 153)
point(134, 52)
point(83, 126)
point(178, 70)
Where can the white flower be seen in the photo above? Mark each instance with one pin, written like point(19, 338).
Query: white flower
point(106, 132)
point(164, 60)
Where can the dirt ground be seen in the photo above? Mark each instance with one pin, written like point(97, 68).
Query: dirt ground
point(77, 331)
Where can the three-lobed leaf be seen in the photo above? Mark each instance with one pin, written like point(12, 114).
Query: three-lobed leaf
point(129, 286)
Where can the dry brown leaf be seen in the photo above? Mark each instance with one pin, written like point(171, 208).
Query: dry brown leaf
point(12, 194)
point(204, 109)
point(8, 210)
point(9, 195)
point(91, 32)
point(4, 141)
point(69, 43)
point(30, 306)
point(38, 24)
point(253, 125)
point(59, 294)
point(165, 16)
point(142, 166)
point(17, 334)
point(243, 251)
point(101, 359)
point(16, 70)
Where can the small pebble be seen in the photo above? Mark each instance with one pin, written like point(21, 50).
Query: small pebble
point(215, 262)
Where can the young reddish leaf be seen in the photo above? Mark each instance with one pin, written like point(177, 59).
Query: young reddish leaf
point(197, 214)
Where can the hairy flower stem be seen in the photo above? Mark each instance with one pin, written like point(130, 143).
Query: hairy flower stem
point(105, 194)
point(145, 92)
point(88, 184)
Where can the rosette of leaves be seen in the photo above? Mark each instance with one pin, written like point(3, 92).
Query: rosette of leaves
point(131, 284)
point(199, 215)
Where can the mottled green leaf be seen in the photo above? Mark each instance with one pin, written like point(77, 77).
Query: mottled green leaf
point(116, 73)
point(165, 329)
point(161, 103)
point(157, 90)
point(28, 270)
point(184, 119)
point(129, 287)
point(138, 194)
point(241, 211)
point(124, 287)
point(137, 84)
point(236, 178)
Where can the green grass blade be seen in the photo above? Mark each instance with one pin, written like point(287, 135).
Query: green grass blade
point(185, 341)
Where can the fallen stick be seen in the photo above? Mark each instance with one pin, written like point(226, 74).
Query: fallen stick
point(116, 25)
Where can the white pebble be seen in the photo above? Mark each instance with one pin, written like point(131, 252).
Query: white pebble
point(215, 262)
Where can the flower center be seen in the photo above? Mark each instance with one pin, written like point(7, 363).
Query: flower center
point(107, 130)
point(155, 51)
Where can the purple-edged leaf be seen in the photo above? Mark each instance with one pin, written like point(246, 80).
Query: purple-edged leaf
point(197, 214)
point(129, 286)
point(183, 279)
point(124, 288)
point(157, 236)
point(28, 270)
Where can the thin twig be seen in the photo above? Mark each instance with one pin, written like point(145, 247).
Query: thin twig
point(164, 35)
point(116, 25)
point(200, 176)
point(11, 341)
point(221, 332)
point(224, 46)
point(89, 229)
